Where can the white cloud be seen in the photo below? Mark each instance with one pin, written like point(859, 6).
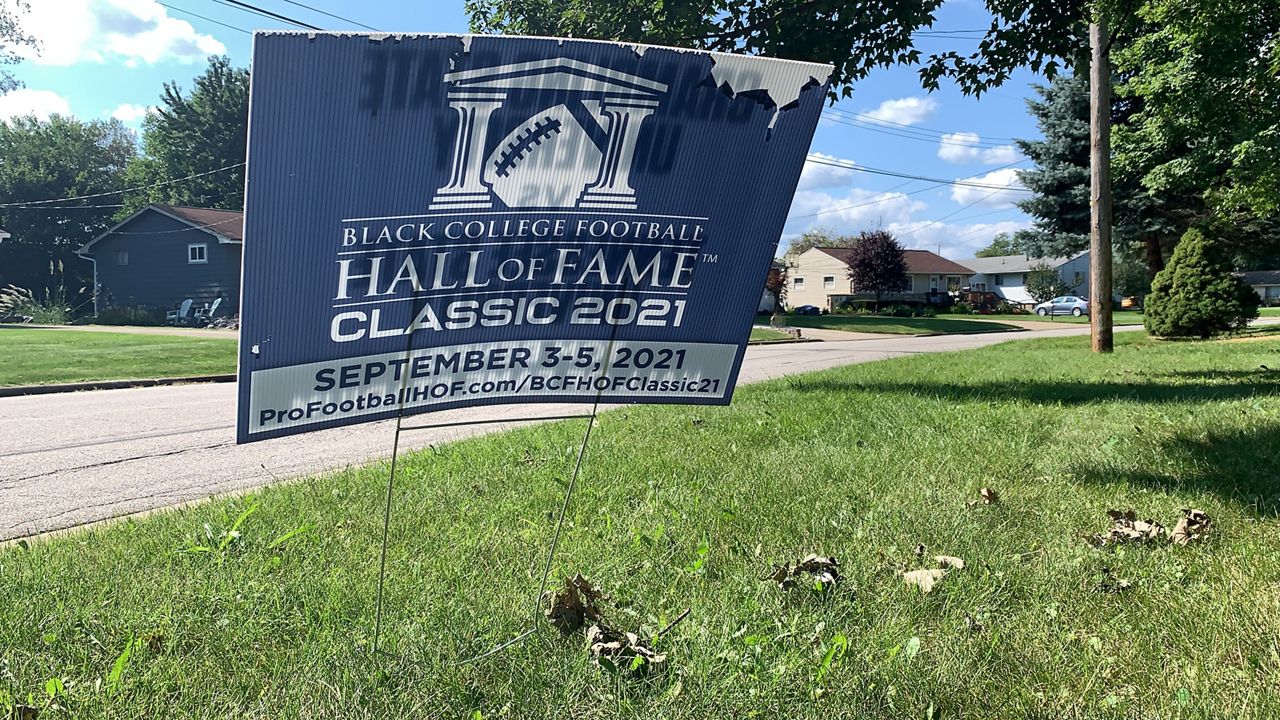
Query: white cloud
point(131, 31)
point(904, 111)
point(962, 147)
point(955, 240)
point(129, 113)
point(25, 101)
point(1003, 189)
point(817, 175)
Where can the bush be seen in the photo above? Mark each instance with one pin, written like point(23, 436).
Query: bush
point(962, 308)
point(1196, 295)
point(928, 312)
point(128, 316)
point(897, 311)
point(21, 305)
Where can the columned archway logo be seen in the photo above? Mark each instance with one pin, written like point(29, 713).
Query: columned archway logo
point(577, 152)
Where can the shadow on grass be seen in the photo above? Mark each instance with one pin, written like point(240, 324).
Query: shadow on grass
point(1066, 392)
point(1241, 466)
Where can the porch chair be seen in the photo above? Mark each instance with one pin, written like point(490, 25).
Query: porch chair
point(181, 315)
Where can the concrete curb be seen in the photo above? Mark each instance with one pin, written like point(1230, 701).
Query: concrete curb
point(18, 390)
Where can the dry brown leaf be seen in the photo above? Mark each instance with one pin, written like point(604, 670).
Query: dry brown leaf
point(574, 605)
point(989, 496)
point(1128, 528)
point(823, 570)
point(1111, 584)
point(1193, 526)
point(924, 579)
point(621, 650)
point(950, 563)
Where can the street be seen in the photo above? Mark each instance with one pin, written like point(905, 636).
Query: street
point(76, 458)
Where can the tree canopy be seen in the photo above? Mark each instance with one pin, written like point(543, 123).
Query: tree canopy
point(11, 37)
point(877, 264)
point(56, 158)
point(1002, 245)
point(195, 134)
point(856, 36)
point(818, 237)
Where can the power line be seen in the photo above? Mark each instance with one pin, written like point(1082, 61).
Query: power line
point(246, 7)
point(206, 19)
point(941, 136)
point(912, 128)
point(117, 192)
point(892, 173)
point(329, 14)
point(976, 144)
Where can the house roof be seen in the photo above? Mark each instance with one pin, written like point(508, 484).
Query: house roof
point(918, 261)
point(226, 225)
point(1013, 263)
point(1261, 277)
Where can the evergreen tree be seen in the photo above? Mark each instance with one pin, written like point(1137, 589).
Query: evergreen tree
point(1146, 225)
point(877, 264)
point(194, 134)
point(1196, 295)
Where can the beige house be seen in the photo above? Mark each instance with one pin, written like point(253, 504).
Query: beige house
point(819, 276)
point(1266, 283)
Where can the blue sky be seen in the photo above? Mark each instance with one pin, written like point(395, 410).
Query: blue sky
point(104, 58)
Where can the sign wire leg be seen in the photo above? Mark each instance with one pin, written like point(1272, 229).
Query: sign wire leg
point(551, 550)
point(386, 528)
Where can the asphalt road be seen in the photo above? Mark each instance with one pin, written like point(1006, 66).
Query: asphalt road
point(77, 458)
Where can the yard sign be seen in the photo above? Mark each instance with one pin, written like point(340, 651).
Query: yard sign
point(440, 221)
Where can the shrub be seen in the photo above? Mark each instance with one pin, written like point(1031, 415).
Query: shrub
point(897, 311)
point(928, 312)
point(1196, 295)
point(962, 308)
point(136, 315)
point(21, 305)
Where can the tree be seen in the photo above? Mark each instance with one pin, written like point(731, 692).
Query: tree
point(1131, 279)
point(195, 135)
point(1044, 283)
point(58, 158)
point(855, 36)
point(1206, 75)
point(818, 237)
point(11, 37)
point(877, 264)
point(1196, 295)
point(1002, 245)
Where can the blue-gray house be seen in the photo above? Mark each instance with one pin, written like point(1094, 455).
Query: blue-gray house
point(164, 254)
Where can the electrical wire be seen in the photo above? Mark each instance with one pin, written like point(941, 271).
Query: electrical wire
point(246, 7)
point(29, 203)
point(206, 19)
point(329, 14)
point(892, 173)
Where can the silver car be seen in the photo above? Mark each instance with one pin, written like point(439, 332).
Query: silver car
point(1064, 305)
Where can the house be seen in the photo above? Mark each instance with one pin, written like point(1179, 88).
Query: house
point(1006, 275)
point(164, 254)
point(1266, 283)
point(820, 276)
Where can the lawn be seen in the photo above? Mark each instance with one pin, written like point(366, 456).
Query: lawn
point(897, 325)
point(687, 508)
point(759, 334)
point(33, 356)
point(1269, 311)
point(1118, 317)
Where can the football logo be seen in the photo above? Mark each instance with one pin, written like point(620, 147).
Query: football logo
point(550, 160)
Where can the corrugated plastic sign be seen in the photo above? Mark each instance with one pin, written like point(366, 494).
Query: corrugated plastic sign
point(440, 221)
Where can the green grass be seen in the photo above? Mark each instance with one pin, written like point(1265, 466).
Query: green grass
point(32, 356)
point(862, 463)
point(1119, 317)
point(896, 325)
point(763, 334)
point(1269, 312)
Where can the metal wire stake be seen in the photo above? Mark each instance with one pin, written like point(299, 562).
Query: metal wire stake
point(386, 527)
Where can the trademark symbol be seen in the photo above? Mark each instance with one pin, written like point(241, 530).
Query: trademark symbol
point(709, 258)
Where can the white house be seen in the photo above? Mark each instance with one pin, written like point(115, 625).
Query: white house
point(820, 276)
point(1006, 275)
point(1266, 283)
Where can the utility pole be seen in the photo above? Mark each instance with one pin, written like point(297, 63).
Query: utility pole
point(1100, 205)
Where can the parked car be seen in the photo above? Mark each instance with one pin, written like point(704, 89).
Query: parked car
point(807, 310)
point(1065, 305)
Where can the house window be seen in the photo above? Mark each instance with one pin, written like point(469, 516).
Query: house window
point(122, 257)
point(197, 253)
point(999, 280)
point(828, 282)
point(797, 283)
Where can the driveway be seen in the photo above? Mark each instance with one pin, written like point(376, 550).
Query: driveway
point(77, 458)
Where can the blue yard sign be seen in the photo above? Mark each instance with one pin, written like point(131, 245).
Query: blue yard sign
point(440, 221)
